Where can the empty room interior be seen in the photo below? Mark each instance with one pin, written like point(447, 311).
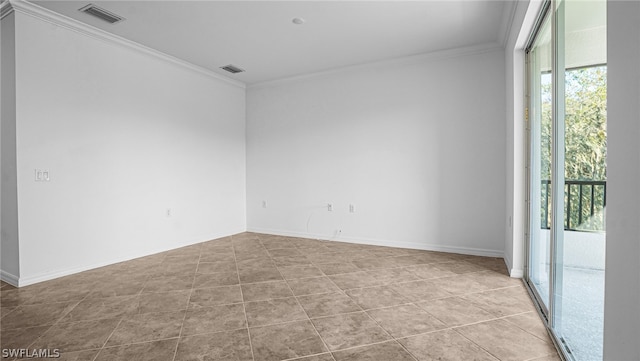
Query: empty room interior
point(320, 180)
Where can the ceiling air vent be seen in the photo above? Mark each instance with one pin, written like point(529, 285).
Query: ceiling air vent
point(232, 69)
point(102, 14)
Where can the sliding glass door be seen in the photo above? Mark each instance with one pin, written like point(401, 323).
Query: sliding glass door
point(567, 173)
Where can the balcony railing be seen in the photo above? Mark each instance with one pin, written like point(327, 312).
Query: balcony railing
point(584, 205)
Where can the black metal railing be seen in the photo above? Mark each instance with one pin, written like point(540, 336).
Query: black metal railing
point(584, 204)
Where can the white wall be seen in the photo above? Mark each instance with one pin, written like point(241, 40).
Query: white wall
point(9, 249)
point(418, 146)
point(622, 275)
point(125, 136)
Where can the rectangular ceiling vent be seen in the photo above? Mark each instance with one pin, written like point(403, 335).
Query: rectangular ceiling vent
point(232, 69)
point(101, 13)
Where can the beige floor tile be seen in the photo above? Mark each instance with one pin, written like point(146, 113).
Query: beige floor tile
point(285, 261)
point(506, 341)
point(405, 320)
point(147, 327)
point(122, 286)
point(216, 267)
point(148, 351)
point(501, 302)
point(406, 260)
point(531, 323)
point(355, 280)
point(305, 271)
point(284, 252)
point(417, 291)
point(493, 279)
point(382, 351)
point(374, 263)
point(215, 280)
point(429, 271)
point(181, 259)
point(244, 257)
point(214, 319)
point(393, 275)
point(36, 315)
point(349, 330)
point(6, 310)
point(253, 275)
point(309, 286)
point(376, 297)
point(276, 243)
point(553, 357)
point(163, 301)
point(97, 308)
point(207, 297)
point(322, 357)
point(338, 268)
point(217, 256)
point(16, 296)
point(265, 291)
point(261, 313)
point(446, 345)
point(459, 284)
point(455, 311)
point(328, 257)
point(230, 345)
point(327, 304)
point(460, 267)
point(76, 336)
point(22, 337)
point(311, 246)
point(185, 251)
point(176, 269)
point(57, 294)
point(166, 283)
point(285, 341)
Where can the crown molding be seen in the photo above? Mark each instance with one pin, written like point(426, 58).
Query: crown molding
point(41, 13)
point(5, 9)
point(508, 16)
point(402, 61)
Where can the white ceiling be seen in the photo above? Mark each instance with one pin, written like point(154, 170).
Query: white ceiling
point(260, 37)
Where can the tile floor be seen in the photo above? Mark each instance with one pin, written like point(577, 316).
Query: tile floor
point(262, 297)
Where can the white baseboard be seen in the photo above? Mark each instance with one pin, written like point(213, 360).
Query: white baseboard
point(513, 272)
point(516, 273)
point(385, 243)
point(9, 278)
point(46, 276)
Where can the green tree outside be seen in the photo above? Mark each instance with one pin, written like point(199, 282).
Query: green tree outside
point(585, 142)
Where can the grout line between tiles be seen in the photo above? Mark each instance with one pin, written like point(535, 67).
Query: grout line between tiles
point(379, 325)
point(186, 310)
point(475, 343)
point(244, 307)
point(305, 312)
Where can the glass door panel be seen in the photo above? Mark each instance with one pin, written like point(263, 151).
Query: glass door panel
point(540, 82)
point(578, 252)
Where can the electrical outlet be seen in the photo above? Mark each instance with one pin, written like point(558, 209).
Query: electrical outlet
point(168, 212)
point(352, 208)
point(264, 204)
point(42, 175)
point(330, 207)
